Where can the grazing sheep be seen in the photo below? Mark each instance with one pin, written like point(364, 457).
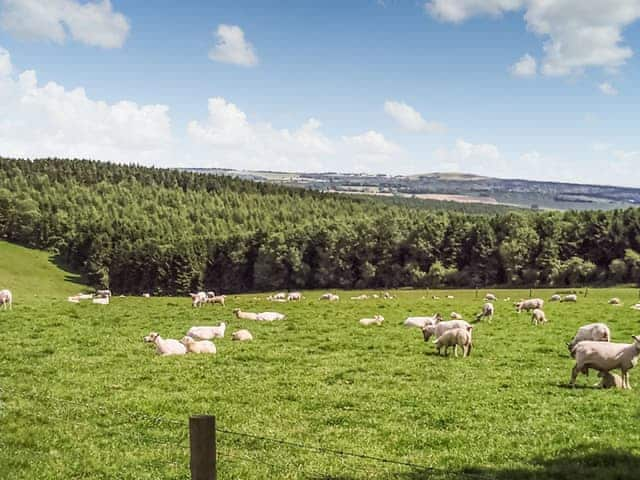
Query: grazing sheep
point(198, 299)
point(387, 296)
point(604, 356)
point(269, 316)
point(455, 316)
point(610, 380)
point(203, 346)
point(376, 320)
point(101, 301)
point(166, 347)
point(569, 298)
point(294, 297)
point(245, 315)
point(439, 328)
point(615, 301)
point(330, 297)
point(538, 316)
point(242, 336)
point(207, 333)
point(216, 299)
point(421, 322)
point(490, 297)
point(453, 338)
point(597, 332)
point(530, 304)
point(487, 312)
point(555, 298)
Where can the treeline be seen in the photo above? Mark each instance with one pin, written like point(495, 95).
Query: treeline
point(136, 229)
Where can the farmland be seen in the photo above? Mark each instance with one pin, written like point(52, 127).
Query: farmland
point(83, 397)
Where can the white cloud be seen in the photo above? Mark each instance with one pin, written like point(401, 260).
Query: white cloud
point(93, 23)
point(232, 47)
point(48, 120)
point(607, 88)
point(525, 67)
point(410, 119)
point(578, 33)
point(479, 158)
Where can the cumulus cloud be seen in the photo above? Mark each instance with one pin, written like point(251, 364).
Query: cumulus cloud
point(478, 158)
point(93, 23)
point(607, 88)
point(577, 34)
point(48, 120)
point(232, 47)
point(410, 119)
point(525, 67)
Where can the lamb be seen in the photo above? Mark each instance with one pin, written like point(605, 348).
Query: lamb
point(330, 297)
point(555, 298)
point(453, 338)
point(166, 347)
point(439, 328)
point(242, 336)
point(538, 316)
point(569, 298)
point(207, 333)
point(487, 312)
point(615, 301)
point(529, 304)
point(376, 320)
point(597, 332)
point(216, 299)
point(490, 297)
point(294, 297)
point(245, 315)
point(269, 316)
point(610, 380)
point(203, 346)
point(421, 322)
point(455, 316)
point(198, 299)
point(604, 356)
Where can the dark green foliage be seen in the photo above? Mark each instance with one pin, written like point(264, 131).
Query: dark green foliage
point(137, 229)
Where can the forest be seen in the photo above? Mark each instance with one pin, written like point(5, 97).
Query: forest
point(138, 229)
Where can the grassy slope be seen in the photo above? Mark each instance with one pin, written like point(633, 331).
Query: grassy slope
point(82, 397)
point(31, 273)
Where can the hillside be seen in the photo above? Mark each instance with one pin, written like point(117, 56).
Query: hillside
point(26, 272)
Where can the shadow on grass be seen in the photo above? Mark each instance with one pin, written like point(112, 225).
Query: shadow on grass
point(70, 275)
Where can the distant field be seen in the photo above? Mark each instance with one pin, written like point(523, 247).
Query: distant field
point(83, 397)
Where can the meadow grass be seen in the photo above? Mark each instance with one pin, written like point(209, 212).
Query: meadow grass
point(83, 397)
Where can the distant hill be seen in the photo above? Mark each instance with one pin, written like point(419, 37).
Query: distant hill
point(454, 187)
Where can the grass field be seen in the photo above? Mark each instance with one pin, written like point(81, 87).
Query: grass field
point(83, 397)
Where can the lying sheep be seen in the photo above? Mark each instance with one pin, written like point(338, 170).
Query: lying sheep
point(245, 315)
point(330, 297)
point(166, 347)
point(376, 320)
point(441, 327)
point(538, 317)
point(615, 301)
point(530, 304)
point(360, 297)
point(610, 380)
point(455, 316)
point(490, 297)
point(555, 298)
point(269, 316)
point(597, 332)
point(421, 322)
point(242, 336)
point(569, 298)
point(203, 346)
point(487, 312)
point(605, 356)
point(453, 338)
point(450, 297)
point(207, 333)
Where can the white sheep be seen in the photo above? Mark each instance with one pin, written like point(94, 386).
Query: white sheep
point(569, 298)
point(101, 300)
point(421, 322)
point(490, 297)
point(604, 356)
point(207, 333)
point(439, 328)
point(387, 296)
point(597, 332)
point(166, 347)
point(203, 346)
point(453, 338)
point(216, 299)
point(610, 380)
point(329, 297)
point(530, 304)
point(450, 297)
point(455, 316)
point(211, 294)
point(538, 316)
point(615, 301)
point(487, 312)
point(73, 299)
point(376, 320)
point(294, 297)
point(435, 297)
point(146, 295)
point(555, 298)
point(360, 297)
point(245, 315)
point(198, 299)
point(269, 316)
point(103, 293)
point(242, 336)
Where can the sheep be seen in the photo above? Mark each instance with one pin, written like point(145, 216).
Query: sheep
point(555, 298)
point(103, 293)
point(330, 297)
point(242, 336)
point(487, 312)
point(387, 296)
point(490, 297)
point(453, 338)
point(101, 301)
point(450, 297)
point(439, 328)
point(569, 298)
point(530, 304)
point(166, 347)
point(198, 299)
point(294, 297)
point(211, 294)
point(610, 380)
point(597, 332)
point(615, 301)
point(538, 316)
point(203, 346)
point(455, 316)
point(73, 299)
point(269, 316)
point(216, 299)
point(636, 306)
point(376, 320)
point(245, 315)
point(84, 296)
point(435, 297)
point(207, 333)
point(360, 297)
point(604, 356)
point(421, 322)
point(146, 295)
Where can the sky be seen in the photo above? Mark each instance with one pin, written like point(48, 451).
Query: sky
point(535, 89)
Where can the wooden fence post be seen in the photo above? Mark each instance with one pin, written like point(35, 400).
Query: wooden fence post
point(202, 442)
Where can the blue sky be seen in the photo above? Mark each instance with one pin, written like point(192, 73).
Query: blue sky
point(365, 85)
